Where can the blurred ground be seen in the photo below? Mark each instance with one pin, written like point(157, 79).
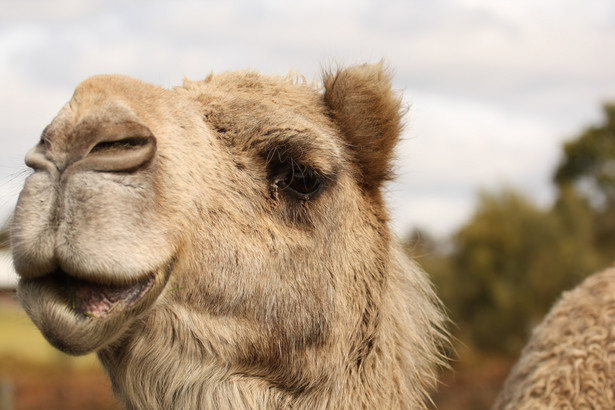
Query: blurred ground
point(33, 375)
point(473, 383)
point(60, 386)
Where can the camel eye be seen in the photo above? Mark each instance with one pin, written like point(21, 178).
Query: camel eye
point(301, 182)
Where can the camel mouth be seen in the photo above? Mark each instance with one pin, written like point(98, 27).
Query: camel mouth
point(96, 300)
point(79, 316)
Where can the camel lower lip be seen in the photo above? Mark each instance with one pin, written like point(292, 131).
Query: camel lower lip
point(79, 316)
point(99, 300)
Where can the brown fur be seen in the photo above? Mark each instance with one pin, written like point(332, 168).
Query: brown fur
point(569, 363)
point(367, 111)
point(254, 296)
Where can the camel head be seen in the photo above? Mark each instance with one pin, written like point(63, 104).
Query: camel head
point(241, 215)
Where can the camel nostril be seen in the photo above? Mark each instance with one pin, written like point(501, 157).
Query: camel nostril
point(125, 154)
point(120, 145)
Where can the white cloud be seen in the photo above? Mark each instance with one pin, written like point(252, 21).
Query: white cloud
point(495, 86)
point(455, 147)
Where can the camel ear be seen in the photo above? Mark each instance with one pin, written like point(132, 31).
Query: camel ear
point(367, 112)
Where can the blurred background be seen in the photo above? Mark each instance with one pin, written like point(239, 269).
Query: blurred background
point(506, 188)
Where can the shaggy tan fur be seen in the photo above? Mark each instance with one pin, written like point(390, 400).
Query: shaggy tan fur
point(569, 362)
point(224, 244)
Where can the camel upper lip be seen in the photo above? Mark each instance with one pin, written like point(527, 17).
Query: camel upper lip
point(93, 299)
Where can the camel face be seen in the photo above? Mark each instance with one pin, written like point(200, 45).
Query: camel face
point(235, 227)
point(128, 178)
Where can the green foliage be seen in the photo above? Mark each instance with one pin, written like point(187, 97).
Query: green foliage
point(508, 265)
point(590, 160)
point(503, 270)
point(589, 166)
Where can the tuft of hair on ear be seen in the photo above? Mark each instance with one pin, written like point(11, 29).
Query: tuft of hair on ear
point(368, 113)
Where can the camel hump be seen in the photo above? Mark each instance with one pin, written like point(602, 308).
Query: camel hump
point(568, 362)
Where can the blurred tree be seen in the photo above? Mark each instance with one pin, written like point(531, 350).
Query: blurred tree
point(501, 272)
point(589, 166)
point(434, 257)
point(508, 265)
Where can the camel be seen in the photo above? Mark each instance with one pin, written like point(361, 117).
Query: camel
point(225, 244)
point(569, 362)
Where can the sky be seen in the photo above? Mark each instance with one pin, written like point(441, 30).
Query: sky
point(494, 86)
